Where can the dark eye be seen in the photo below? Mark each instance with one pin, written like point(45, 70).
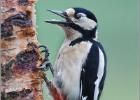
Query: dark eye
point(78, 16)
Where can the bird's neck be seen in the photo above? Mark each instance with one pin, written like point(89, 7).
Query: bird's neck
point(81, 39)
point(72, 34)
point(75, 37)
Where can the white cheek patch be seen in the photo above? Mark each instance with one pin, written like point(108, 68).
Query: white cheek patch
point(86, 23)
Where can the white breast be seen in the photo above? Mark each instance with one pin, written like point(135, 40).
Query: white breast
point(68, 67)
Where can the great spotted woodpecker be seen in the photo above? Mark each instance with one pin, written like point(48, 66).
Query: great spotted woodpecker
point(80, 68)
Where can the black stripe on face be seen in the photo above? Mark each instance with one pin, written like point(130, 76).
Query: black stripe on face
point(87, 34)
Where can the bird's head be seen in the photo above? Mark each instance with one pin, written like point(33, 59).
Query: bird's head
point(78, 23)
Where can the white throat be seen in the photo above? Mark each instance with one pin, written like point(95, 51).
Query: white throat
point(71, 34)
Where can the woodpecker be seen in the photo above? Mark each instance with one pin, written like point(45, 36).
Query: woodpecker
point(80, 67)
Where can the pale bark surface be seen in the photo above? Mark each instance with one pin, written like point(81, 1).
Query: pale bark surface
point(20, 56)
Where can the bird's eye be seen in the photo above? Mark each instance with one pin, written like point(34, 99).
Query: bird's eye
point(78, 16)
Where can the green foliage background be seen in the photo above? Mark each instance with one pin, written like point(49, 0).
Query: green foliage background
point(118, 32)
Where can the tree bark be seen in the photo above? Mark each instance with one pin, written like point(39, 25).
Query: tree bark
point(20, 56)
point(21, 59)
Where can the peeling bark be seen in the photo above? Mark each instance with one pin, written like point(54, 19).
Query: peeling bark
point(20, 54)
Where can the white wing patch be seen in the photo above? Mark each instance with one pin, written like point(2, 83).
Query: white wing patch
point(84, 98)
point(99, 74)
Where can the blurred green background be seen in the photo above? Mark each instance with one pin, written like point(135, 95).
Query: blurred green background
point(118, 32)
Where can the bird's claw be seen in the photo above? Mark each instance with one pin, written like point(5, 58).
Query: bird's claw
point(46, 65)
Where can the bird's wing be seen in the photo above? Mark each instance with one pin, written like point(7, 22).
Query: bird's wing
point(93, 72)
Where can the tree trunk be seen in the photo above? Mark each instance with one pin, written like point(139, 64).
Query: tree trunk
point(19, 52)
point(20, 55)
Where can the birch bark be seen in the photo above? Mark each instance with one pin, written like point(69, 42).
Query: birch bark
point(20, 54)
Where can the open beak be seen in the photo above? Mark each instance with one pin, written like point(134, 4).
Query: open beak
point(62, 14)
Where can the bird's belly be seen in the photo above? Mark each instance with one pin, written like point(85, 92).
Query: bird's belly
point(68, 68)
